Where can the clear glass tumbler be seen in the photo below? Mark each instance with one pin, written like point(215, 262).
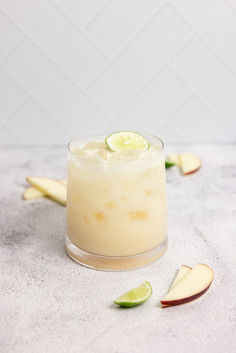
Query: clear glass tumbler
point(116, 204)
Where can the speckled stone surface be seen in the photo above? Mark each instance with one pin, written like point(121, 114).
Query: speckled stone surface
point(51, 304)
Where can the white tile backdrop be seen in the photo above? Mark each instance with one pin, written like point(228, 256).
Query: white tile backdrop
point(72, 66)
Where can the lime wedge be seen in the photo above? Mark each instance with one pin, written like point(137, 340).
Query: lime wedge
point(126, 140)
point(169, 164)
point(135, 296)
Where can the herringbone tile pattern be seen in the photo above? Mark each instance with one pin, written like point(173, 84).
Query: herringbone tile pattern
point(72, 66)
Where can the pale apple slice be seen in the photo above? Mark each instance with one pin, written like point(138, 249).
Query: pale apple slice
point(32, 193)
point(50, 187)
point(191, 287)
point(183, 271)
point(189, 163)
point(174, 158)
point(64, 182)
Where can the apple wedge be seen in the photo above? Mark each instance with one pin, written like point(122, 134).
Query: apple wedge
point(183, 271)
point(173, 158)
point(32, 193)
point(64, 182)
point(191, 287)
point(189, 163)
point(49, 187)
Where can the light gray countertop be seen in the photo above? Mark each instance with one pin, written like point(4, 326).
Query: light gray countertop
point(51, 304)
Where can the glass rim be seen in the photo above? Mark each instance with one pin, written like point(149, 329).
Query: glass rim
point(107, 133)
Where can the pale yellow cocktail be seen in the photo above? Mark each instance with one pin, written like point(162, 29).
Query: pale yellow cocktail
point(116, 204)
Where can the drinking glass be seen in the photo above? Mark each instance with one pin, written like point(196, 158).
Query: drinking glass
point(116, 204)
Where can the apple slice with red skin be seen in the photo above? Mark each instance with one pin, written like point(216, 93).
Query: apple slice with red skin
point(173, 158)
point(189, 163)
point(183, 271)
point(191, 287)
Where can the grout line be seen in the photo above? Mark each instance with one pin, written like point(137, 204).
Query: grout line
point(200, 99)
point(213, 113)
point(79, 29)
point(68, 77)
point(94, 16)
point(9, 116)
point(15, 135)
point(126, 45)
point(16, 83)
point(150, 78)
point(30, 95)
point(176, 109)
point(31, 39)
point(180, 137)
point(12, 48)
point(52, 117)
point(205, 41)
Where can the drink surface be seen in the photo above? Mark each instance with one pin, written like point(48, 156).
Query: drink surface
point(116, 203)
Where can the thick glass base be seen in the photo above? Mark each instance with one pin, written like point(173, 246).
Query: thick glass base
point(114, 263)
